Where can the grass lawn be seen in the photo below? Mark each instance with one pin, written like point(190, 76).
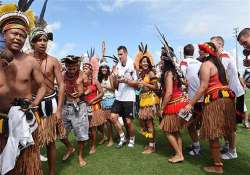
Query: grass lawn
point(109, 161)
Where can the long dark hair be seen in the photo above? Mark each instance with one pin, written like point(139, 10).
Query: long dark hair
point(218, 64)
point(168, 66)
point(150, 68)
point(101, 76)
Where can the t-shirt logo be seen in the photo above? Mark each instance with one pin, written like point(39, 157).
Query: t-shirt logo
point(128, 74)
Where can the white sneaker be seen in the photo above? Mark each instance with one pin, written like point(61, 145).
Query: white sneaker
point(229, 155)
point(195, 151)
point(131, 144)
point(121, 143)
point(224, 149)
point(43, 158)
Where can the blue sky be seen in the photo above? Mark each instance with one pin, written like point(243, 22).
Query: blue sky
point(79, 25)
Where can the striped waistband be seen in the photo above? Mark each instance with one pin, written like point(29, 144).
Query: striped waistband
point(178, 99)
point(216, 88)
point(50, 96)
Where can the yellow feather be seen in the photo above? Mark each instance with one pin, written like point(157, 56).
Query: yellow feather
point(7, 8)
point(31, 18)
point(207, 99)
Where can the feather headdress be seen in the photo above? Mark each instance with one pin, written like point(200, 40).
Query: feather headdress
point(114, 58)
point(167, 53)
point(40, 25)
point(103, 61)
point(71, 59)
point(92, 62)
point(17, 16)
point(143, 52)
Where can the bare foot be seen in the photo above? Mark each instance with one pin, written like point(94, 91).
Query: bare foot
point(149, 150)
point(82, 162)
point(176, 159)
point(102, 141)
point(68, 154)
point(111, 143)
point(92, 150)
point(146, 147)
point(213, 169)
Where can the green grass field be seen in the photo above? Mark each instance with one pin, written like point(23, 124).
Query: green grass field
point(109, 161)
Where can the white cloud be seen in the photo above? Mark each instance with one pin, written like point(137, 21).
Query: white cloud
point(60, 51)
point(66, 49)
point(52, 46)
point(109, 6)
point(54, 26)
point(156, 55)
point(198, 18)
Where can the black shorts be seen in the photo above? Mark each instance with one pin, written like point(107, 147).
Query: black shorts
point(123, 108)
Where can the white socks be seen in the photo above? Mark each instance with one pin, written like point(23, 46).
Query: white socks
point(122, 136)
point(196, 144)
point(132, 140)
point(152, 144)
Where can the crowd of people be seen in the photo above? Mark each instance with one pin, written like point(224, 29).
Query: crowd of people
point(43, 99)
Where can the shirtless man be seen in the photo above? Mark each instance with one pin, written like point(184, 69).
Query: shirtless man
point(49, 109)
point(75, 115)
point(17, 75)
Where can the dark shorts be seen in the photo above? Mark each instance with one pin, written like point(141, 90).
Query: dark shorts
point(239, 109)
point(196, 120)
point(198, 108)
point(123, 108)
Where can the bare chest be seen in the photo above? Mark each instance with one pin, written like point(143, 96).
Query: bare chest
point(19, 76)
point(18, 72)
point(47, 68)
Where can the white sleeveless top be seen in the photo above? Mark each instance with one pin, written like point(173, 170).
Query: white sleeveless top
point(107, 93)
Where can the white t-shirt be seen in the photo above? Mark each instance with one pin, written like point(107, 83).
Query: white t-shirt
point(190, 68)
point(126, 92)
point(232, 74)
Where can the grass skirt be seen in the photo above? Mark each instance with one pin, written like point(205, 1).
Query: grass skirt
point(171, 123)
point(147, 113)
point(107, 114)
point(49, 129)
point(218, 119)
point(97, 118)
point(28, 162)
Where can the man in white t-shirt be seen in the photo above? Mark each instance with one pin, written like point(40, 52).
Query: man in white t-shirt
point(190, 68)
point(235, 85)
point(125, 80)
